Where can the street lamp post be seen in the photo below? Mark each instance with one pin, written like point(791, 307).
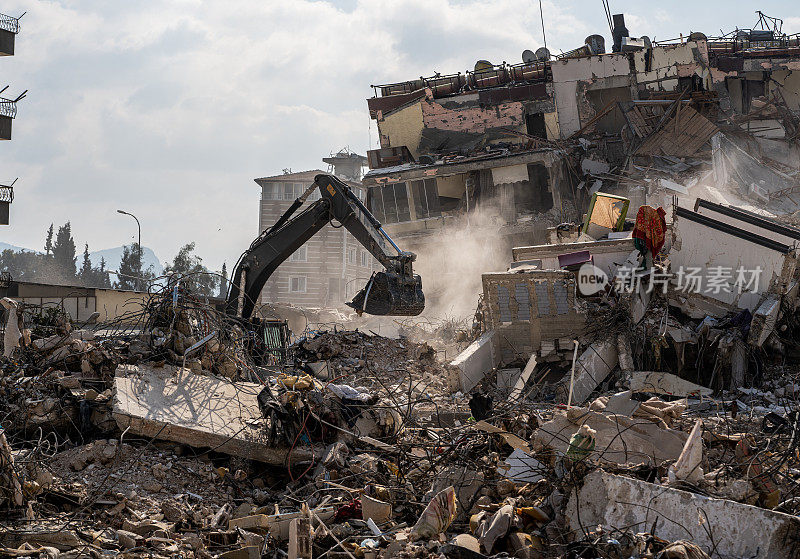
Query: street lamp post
point(139, 249)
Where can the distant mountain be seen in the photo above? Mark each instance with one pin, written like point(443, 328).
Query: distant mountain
point(113, 256)
point(6, 246)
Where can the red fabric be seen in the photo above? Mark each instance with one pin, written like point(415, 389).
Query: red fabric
point(348, 510)
point(651, 227)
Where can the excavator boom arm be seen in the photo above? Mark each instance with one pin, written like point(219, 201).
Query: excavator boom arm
point(397, 291)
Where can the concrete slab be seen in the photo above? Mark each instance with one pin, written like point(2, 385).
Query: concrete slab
point(592, 367)
point(657, 382)
point(619, 439)
point(199, 411)
point(474, 363)
point(731, 530)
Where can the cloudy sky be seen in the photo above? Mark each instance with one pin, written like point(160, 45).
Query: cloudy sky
point(170, 109)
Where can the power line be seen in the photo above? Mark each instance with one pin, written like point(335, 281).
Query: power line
point(541, 15)
point(607, 10)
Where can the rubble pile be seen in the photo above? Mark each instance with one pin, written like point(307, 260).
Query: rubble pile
point(630, 389)
point(381, 459)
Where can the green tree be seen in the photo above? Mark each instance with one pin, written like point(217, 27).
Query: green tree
point(64, 251)
point(48, 243)
point(193, 274)
point(130, 268)
point(85, 273)
point(102, 274)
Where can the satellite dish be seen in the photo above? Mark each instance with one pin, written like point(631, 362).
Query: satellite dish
point(648, 44)
point(542, 54)
point(528, 56)
point(597, 43)
point(483, 65)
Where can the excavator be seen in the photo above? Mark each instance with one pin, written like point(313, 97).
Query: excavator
point(397, 291)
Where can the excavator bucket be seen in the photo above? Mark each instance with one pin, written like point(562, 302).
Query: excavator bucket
point(390, 294)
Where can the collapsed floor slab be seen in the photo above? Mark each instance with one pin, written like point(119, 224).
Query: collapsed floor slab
point(196, 410)
point(619, 439)
point(723, 528)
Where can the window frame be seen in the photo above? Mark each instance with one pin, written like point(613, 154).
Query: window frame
point(300, 279)
point(302, 250)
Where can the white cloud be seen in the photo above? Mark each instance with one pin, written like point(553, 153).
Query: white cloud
point(170, 109)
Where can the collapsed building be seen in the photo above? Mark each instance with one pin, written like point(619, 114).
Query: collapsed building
point(503, 144)
point(628, 386)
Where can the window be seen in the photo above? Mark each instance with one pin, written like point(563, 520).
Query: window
point(351, 255)
point(334, 289)
point(297, 284)
point(389, 203)
point(364, 258)
point(426, 198)
point(271, 191)
point(522, 295)
point(503, 302)
point(300, 255)
point(375, 203)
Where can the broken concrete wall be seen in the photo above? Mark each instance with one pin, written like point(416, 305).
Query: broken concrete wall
point(660, 67)
point(527, 308)
point(195, 410)
point(737, 77)
point(748, 221)
point(472, 364)
point(591, 368)
point(573, 75)
point(428, 125)
point(402, 127)
point(725, 251)
point(731, 530)
point(607, 255)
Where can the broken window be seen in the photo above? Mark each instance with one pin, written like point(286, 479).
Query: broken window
point(535, 126)
point(534, 194)
point(351, 255)
point(389, 203)
point(375, 203)
point(426, 198)
point(300, 255)
point(364, 258)
point(297, 284)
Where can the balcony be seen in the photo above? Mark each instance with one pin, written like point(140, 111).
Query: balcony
point(9, 27)
point(8, 111)
point(6, 197)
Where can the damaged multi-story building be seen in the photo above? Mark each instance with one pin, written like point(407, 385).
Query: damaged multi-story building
point(501, 150)
point(329, 268)
point(702, 132)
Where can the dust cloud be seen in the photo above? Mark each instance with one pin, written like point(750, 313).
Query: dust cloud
point(451, 263)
